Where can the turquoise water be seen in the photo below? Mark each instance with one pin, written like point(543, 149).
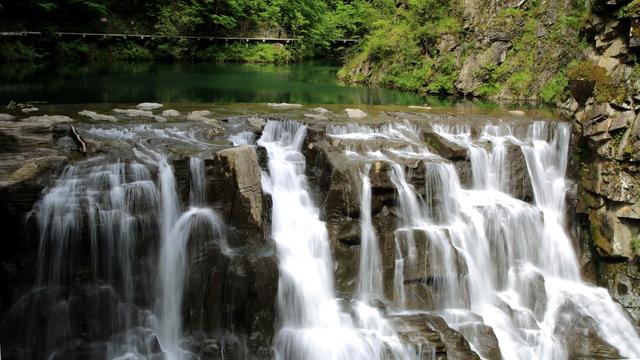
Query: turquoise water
point(306, 83)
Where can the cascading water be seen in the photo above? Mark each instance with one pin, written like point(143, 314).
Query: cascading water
point(118, 207)
point(490, 257)
point(312, 325)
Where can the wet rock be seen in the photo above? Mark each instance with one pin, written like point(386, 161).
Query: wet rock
point(316, 116)
point(517, 174)
point(148, 106)
point(204, 116)
point(28, 110)
point(355, 113)
point(7, 117)
point(429, 331)
point(137, 113)
point(97, 117)
point(283, 105)
point(483, 338)
point(257, 123)
point(579, 334)
point(431, 267)
point(320, 110)
point(444, 147)
point(530, 284)
point(237, 182)
point(170, 113)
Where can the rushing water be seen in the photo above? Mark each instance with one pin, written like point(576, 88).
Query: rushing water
point(490, 254)
point(487, 258)
point(312, 325)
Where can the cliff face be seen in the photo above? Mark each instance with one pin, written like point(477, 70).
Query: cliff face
point(498, 49)
point(606, 155)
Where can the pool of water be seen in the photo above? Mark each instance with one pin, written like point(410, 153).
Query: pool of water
point(306, 83)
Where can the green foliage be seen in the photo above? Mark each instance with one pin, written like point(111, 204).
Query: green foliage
point(240, 53)
point(554, 89)
point(631, 10)
point(72, 51)
point(635, 245)
point(17, 51)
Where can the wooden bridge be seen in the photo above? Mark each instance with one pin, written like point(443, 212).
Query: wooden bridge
point(226, 39)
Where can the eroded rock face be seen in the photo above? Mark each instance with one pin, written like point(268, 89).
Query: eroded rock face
point(431, 333)
point(579, 335)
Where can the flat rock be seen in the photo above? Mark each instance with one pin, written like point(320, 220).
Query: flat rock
point(29, 109)
point(170, 113)
point(283, 105)
point(256, 122)
point(134, 112)
point(148, 106)
point(320, 110)
point(316, 116)
point(517, 112)
point(48, 119)
point(355, 113)
point(420, 107)
point(7, 117)
point(97, 117)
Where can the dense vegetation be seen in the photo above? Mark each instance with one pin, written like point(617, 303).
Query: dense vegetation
point(316, 22)
point(513, 50)
point(473, 48)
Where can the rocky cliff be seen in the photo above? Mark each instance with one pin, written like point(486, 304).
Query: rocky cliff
point(606, 151)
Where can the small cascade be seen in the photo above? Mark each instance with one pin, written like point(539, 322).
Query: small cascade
point(312, 324)
point(479, 257)
point(112, 210)
point(370, 285)
point(198, 189)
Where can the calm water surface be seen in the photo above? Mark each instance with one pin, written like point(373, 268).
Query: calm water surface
point(306, 83)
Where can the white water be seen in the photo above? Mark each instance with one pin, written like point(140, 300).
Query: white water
point(521, 267)
point(370, 285)
point(311, 323)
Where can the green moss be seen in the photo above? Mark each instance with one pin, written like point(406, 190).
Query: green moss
point(635, 245)
point(554, 89)
point(606, 89)
point(631, 10)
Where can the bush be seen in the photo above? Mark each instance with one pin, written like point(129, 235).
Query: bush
point(72, 50)
point(18, 51)
point(242, 53)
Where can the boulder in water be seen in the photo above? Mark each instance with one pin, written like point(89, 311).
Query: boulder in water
point(148, 106)
point(7, 117)
point(355, 113)
point(170, 113)
point(284, 105)
point(97, 117)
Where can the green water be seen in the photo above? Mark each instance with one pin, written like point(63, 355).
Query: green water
point(305, 83)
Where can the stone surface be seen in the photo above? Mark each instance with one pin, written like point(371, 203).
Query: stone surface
point(97, 117)
point(355, 113)
point(170, 113)
point(148, 106)
point(283, 105)
point(7, 117)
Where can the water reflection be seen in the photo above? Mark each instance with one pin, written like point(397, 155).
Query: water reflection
point(307, 83)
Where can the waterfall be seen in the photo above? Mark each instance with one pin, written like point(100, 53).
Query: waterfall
point(311, 323)
point(198, 190)
point(370, 276)
point(486, 257)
